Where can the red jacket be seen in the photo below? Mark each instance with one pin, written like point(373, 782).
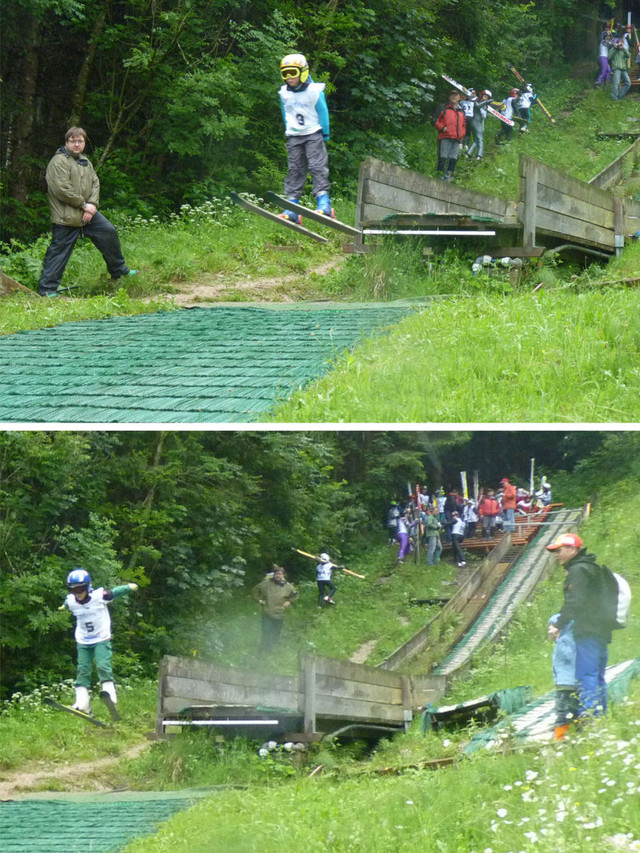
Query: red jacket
point(451, 123)
point(509, 497)
point(489, 506)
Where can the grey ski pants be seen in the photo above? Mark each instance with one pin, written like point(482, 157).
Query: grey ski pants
point(307, 154)
point(104, 237)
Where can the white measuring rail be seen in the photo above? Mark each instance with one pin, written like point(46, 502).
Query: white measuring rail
point(220, 722)
point(435, 233)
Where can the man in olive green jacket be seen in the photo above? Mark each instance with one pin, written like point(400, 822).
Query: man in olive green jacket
point(275, 594)
point(74, 192)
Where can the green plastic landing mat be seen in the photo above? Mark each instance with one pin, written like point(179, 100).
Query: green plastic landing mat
point(92, 826)
point(210, 365)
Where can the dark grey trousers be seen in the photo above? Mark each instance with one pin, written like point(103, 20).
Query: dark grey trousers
point(104, 237)
point(307, 154)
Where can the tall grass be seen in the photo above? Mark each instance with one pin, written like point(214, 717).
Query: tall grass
point(548, 357)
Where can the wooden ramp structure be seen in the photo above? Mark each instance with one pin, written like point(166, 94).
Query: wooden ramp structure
point(553, 210)
point(325, 696)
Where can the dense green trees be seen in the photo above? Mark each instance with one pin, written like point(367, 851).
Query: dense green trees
point(179, 96)
point(186, 515)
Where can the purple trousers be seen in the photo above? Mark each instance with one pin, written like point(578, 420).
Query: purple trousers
point(403, 539)
point(605, 71)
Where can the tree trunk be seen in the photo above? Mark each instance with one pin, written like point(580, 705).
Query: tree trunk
point(77, 103)
point(23, 122)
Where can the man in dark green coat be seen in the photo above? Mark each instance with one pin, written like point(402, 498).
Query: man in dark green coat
point(74, 193)
point(275, 594)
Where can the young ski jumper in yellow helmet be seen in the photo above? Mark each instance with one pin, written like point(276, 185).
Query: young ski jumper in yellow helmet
point(306, 123)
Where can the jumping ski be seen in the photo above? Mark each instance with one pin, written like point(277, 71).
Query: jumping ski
point(512, 68)
point(283, 202)
point(111, 707)
point(254, 208)
point(489, 108)
point(318, 560)
point(89, 718)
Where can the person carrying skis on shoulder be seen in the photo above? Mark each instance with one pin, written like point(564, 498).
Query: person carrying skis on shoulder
point(477, 125)
point(93, 633)
point(306, 123)
point(603, 57)
point(468, 106)
point(326, 586)
point(451, 126)
point(507, 108)
point(526, 100)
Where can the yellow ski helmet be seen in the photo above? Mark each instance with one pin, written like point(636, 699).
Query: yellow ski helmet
point(294, 65)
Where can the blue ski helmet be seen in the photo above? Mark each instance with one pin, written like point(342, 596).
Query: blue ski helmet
point(79, 579)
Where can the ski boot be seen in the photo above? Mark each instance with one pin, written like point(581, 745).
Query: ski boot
point(324, 205)
point(110, 699)
point(290, 215)
point(82, 703)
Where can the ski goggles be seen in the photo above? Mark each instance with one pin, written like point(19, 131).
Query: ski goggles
point(289, 73)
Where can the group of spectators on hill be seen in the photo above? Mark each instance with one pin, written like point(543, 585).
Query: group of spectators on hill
point(615, 59)
point(452, 518)
point(460, 123)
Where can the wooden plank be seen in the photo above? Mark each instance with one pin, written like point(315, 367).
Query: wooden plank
point(572, 230)
point(210, 672)
point(427, 688)
point(219, 693)
point(309, 680)
point(327, 685)
point(356, 710)
point(554, 201)
point(9, 285)
point(529, 185)
point(356, 672)
point(561, 182)
point(612, 173)
point(618, 225)
point(415, 182)
point(436, 197)
point(162, 668)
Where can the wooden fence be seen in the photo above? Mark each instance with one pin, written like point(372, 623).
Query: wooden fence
point(385, 189)
point(325, 693)
point(612, 174)
point(556, 205)
point(552, 207)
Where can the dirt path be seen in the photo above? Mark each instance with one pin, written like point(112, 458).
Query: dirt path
point(362, 652)
point(291, 287)
point(23, 781)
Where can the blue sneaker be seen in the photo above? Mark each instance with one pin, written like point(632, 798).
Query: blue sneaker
point(324, 205)
point(290, 215)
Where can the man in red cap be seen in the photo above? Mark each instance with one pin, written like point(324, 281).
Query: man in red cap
point(508, 505)
point(584, 587)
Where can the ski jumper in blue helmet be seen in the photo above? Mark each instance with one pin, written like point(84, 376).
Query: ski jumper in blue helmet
point(306, 126)
point(93, 633)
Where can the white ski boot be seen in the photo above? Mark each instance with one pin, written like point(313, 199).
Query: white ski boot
point(110, 699)
point(109, 688)
point(83, 702)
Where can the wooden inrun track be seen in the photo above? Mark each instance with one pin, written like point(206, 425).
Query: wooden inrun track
point(552, 210)
point(327, 696)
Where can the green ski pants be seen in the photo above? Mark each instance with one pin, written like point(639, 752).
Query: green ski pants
point(102, 654)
